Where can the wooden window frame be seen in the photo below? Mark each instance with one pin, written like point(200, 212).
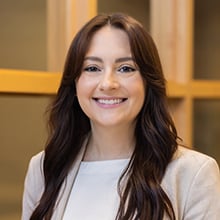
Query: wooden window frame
point(172, 29)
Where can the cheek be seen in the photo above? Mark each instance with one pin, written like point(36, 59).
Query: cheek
point(81, 84)
point(86, 82)
point(82, 94)
point(140, 97)
point(139, 87)
point(139, 93)
point(85, 87)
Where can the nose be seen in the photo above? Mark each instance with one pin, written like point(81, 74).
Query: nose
point(108, 81)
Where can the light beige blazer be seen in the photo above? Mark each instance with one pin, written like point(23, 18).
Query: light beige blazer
point(192, 182)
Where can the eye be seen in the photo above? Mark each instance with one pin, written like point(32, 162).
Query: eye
point(92, 69)
point(126, 69)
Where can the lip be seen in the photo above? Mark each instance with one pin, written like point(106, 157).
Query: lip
point(109, 101)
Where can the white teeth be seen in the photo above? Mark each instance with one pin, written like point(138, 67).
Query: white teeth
point(109, 101)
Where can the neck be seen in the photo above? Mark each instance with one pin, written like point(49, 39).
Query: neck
point(110, 143)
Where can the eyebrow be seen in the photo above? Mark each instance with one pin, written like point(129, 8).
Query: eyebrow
point(118, 60)
point(123, 59)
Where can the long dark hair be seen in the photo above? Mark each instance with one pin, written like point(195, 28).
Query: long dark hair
point(156, 138)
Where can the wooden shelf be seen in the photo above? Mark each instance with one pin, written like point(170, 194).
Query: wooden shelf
point(31, 82)
point(205, 89)
point(201, 89)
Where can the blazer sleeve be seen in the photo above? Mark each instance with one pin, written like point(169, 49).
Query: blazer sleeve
point(203, 199)
point(33, 186)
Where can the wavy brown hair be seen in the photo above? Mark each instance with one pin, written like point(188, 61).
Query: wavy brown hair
point(141, 197)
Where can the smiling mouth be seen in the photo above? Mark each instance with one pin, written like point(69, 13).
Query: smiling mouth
point(113, 101)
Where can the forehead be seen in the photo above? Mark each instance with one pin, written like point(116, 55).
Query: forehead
point(109, 40)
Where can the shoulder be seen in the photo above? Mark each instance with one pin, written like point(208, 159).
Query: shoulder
point(36, 164)
point(35, 174)
point(192, 181)
point(187, 165)
point(33, 185)
point(37, 159)
point(187, 158)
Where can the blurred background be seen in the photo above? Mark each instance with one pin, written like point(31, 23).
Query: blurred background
point(35, 35)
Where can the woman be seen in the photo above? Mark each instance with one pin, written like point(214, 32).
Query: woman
point(112, 152)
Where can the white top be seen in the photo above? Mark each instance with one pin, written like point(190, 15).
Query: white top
point(94, 195)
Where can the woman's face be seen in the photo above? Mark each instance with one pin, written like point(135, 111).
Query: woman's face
point(110, 89)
